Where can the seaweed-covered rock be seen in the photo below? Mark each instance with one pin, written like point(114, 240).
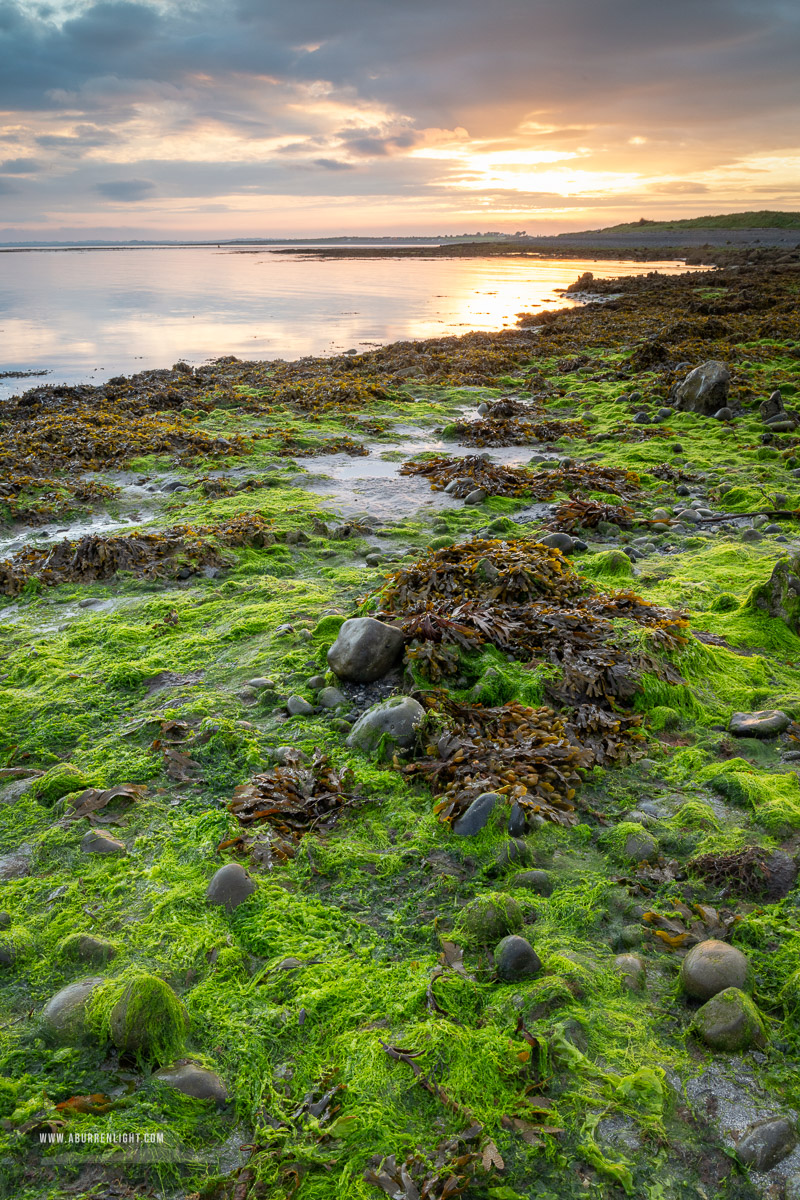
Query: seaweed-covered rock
point(298, 706)
point(729, 1021)
point(148, 1019)
point(194, 1080)
point(396, 720)
point(365, 649)
point(766, 1143)
point(64, 1015)
point(230, 886)
point(537, 881)
point(768, 722)
point(711, 967)
point(705, 389)
point(516, 959)
point(640, 846)
point(613, 564)
point(95, 841)
point(632, 971)
point(57, 782)
point(779, 596)
point(489, 917)
point(87, 948)
point(559, 541)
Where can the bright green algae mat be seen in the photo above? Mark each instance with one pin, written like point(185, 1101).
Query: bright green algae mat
point(366, 909)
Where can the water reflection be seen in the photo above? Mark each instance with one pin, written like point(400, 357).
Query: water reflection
point(88, 315)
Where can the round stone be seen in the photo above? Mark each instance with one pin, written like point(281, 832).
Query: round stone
point(559, 541)
point(766, 723)
point(477, 496)
point(296, 706)
point(230, 886)
point(365, 649)
point(194, 1080)
point(490, 917)
point(389, 724)
point(148, 1018)
point(331, 697)
point(87, 948)
point(641, 847)
point(729, 1021)
point(536, 881)
point(477, 815)
point(711, 967)
point(632, 971)
point(515, 959)
point(64, 1015)
point(766, 1143)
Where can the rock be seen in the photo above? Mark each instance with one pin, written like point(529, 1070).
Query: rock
point(477, 496)
point(6, 920)
point(230, 886)
point(766, 1143)
point(17, 864)
point(792, 1190)
point(477, 815)
point(723, 414)
point(690, 515)
point(296, 706)
point(148, 1019)
point(374, 558)
point(729, 1021)
point(782, 872)
point(57, 782)
point(260, 683)
point(516, 821)
point(768, 722)
point(97, 842)
point(630, 936)
point(516, 959)
point(87, 948)
point(641, 847)
point(682, 490)
point(663, 414)
point(705, 389)
point(514, 851)
point(331, 697)
point(365, 649)
point(711, 967)
point(194, 1080)
point(396, 720)
point(283, 754)
point(751, 535)
point(773, 408)
point(641, 418)
point(559, 541)
point(779, 596)
point(536, 881)
point(660, 514)
point(64, 1015)
point(632, 970)
point(489, 917)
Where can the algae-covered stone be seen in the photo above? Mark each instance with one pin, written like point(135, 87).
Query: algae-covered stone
point(331, 697)
point(729, 1021)
point(640, 846)
point(537, 881)
point(365, 649)
point(514, 852)
point(515, 959)
point(14, 946)
point(193, 1080)
point(768, 722)
point(766, 1143)
point(711, 967)
point(148, 1019)
point(297, 706)
point(391, 723)
point(86, 948)
point(64, 1015)
point(230, 886)
point(632, 971)
point(779, 596)
point(488, 918)
point(705, 389)
point(613, 564)
point(59, 781)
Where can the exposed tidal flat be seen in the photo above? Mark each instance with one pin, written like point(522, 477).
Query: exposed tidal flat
point(398, 763)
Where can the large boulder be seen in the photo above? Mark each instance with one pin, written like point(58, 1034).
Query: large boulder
point(64, 1015)
point(705, 389)
point(711, 967)
point(768, 722)
point(779, 596)
point(729, 1021)
point(766, 1143)
point(391, 723)
point(365, 649)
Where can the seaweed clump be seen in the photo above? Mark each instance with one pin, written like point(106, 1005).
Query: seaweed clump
point(513, 432)
point(459, 476)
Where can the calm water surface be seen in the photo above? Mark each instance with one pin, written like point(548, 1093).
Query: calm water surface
point(87, 315)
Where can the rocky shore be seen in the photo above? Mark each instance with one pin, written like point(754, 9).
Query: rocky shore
point(399, 763)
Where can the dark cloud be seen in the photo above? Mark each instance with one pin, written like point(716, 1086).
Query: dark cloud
point(20, 166)
point(332, 164)
point(126, 190)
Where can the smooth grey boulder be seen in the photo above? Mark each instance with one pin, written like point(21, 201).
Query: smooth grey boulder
point(365, 649)
point(331, 697)
point(88, 949)
point(194, 1080)
point(516, 959)
point(477, 496)
point(230, 886)
point(296, 706)
point(729, 1021)
point(64, 1015)
point(396, 720)
point(766, 1143)
point(769, 722)
point(641, 847)
point(477, 815)
point(97, 842)
point(517, 821)
point(705, 389)
point(711, 967)
point(559, 541)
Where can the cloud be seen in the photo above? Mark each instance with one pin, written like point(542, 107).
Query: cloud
point(20, 166)
point(332, 164)
point(125, 190)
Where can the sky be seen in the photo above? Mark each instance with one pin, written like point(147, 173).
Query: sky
point(280, 118)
